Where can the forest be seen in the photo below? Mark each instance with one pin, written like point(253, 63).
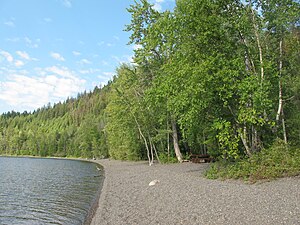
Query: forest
point(210, 77)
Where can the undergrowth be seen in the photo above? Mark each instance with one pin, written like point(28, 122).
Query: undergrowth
point(165, 158)
point(171, 158)
point(275, 162)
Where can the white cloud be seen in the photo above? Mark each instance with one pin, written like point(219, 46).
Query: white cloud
point(59, 39)
point(157, 4)
point(90, 71)
point(84, 71)
point(57, 56)
point(7, 56)
point(100, 43)
point(27, 40)
point(85, 61)
point(136, 47)
point(19, 63)
point(32, 43)
point(62, 71)
point(104, 63)
point(14, 39)
point(116, 38)
point(105, 77)
point(47, 20)
point(110, 44)
point(107, 74)
point(23, 92)
point(124, 59)
point(9, 23)
point(75, 53)
point(23, 55)
point(157, 7)
point(67, 3)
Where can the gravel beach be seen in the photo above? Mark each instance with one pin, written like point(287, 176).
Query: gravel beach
point(184, 196)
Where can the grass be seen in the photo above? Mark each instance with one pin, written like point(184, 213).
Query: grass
point(165, 159)
point(275, 162)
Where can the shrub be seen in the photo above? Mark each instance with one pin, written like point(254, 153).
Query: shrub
point(164, 158)
point(277, 161)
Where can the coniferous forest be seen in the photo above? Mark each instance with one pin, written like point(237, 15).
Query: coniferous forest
point(218, 77)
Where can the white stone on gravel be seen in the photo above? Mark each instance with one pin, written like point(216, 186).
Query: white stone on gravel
point(154, 182)
point(186, 197)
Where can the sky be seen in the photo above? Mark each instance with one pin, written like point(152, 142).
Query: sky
point(54, 49)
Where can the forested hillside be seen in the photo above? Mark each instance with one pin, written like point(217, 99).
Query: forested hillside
point(72, 128)
point(219, 77)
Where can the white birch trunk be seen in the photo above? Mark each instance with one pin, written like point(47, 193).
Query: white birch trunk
point(284, 130)
point(280, 85)
point(243, 136)
point(280, 104)
point(258, 44)
point(145, 140)
point(176, 142)
point(151, 150)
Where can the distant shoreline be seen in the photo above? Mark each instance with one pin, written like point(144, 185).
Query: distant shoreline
point(45, 157)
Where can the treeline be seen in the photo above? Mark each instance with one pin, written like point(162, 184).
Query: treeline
point(74, 128)
point(219, 77)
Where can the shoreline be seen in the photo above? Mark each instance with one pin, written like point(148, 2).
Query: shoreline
point(184, 196)
point(95, 203)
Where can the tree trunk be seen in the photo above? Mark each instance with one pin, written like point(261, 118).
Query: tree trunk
point(243, 136)
point(176, 142)
point(255, 140)
point(280, 105)
point(284, 129)
point(168, 139)
point(151, 149)
point(280, 102)
point(258, 44)
point(156, 154)
point(279, 84)
point(145, 140)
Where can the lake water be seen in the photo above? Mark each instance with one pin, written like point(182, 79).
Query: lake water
point(47, 191)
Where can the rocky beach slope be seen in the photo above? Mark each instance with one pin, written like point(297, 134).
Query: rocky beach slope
point(184, 196)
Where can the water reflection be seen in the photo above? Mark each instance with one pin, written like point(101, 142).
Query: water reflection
point(46, 191)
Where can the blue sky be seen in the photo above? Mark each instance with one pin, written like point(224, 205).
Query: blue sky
point(53, 49)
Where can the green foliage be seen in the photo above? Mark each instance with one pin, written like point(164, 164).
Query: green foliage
point(72, 128)
point(275, 162)
point(212, 69)
point(227, 140)
point(121, 128)
point(165, 158)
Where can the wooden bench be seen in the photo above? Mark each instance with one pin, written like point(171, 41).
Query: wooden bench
point(200, 158)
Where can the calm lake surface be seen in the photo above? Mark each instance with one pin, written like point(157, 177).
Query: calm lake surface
point(47, 191)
